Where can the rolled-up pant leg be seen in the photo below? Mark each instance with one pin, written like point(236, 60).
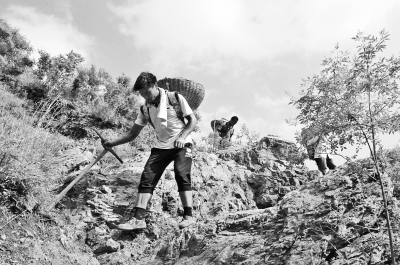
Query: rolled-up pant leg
point(329, 163)
point(159, 159)
point(321, 163)
point(183, 168)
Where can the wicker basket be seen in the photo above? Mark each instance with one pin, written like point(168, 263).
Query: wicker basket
point(193, 92)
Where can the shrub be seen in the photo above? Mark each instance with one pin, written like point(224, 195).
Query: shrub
point(26, 156)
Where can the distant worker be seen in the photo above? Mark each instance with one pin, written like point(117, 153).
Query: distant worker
point(224, 128)
point(317, 151)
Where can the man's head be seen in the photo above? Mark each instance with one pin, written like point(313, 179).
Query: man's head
point(146, 86)
point(234, 120)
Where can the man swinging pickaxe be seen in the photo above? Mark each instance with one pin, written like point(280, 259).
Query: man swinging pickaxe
point(106, 149)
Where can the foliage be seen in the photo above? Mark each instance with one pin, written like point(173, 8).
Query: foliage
point(63, 90)
point(354, 100)
point(392, 158)
point(14, 53)
point(58, 73)
point(246, 136)
point(26, 153)
point(105, 99)
point(30, 172)
point(124, 81)
point(210, 142)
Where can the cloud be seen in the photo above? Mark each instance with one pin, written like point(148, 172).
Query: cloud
point(47, 32)
point(275, 107)
point(183, 32)
point(272, 103)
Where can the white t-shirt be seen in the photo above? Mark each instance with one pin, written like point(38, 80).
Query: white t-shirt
point(167, 131)
point(321, 148)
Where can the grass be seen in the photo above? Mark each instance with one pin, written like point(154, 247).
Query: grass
point(29, 174)
point(26, 152)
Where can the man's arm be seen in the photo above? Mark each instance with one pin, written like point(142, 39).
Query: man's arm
point(189, 127)
point(129, 137)
point(215, 124)
point(218, 125)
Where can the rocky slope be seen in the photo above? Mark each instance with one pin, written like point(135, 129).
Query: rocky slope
point(254, 206)
point(227, 195)
point(332, 220)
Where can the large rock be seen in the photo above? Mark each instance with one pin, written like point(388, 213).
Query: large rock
point(276, 166)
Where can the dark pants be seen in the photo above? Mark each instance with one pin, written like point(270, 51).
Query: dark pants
point(159, 159)
point(324, 163)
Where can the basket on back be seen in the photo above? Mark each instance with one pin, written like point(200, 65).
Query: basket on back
point(193, 92)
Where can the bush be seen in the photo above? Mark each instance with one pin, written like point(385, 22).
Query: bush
point(14, 51)
point(27, 155)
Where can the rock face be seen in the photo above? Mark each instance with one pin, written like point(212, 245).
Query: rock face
point(254, 207)
point(276, 169)
point(332, 220)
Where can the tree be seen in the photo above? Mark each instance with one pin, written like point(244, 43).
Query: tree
point(43, 65)
point(58, 75)
point(124, 81)
point(14, 53)
point(59, 72)
point(355, 100)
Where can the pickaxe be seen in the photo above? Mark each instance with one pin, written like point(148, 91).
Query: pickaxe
point(87, 168)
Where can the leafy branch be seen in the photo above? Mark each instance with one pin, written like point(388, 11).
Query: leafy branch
point(355, 101)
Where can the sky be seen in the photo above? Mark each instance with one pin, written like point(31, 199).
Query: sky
point(250, 55)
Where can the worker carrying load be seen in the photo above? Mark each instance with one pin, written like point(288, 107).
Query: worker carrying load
point(170, 113)
point(224, 128)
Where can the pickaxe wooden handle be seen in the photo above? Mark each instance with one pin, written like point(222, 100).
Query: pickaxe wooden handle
point(87, 168)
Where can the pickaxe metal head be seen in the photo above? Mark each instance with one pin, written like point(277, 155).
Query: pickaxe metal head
point(109, 149)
